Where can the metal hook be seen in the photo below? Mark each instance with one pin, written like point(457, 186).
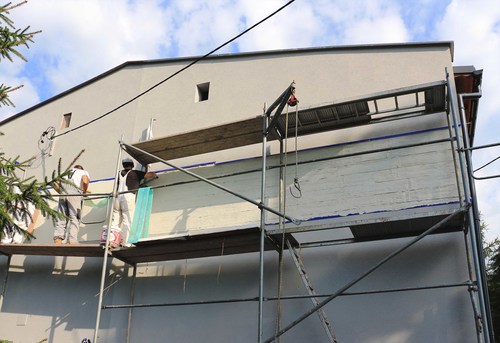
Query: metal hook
point(296, 185)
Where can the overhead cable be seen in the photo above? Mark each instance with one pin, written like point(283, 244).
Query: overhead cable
point(177, 72)
point(487, 164)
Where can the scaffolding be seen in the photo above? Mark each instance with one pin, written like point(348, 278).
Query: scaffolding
point(274, 125)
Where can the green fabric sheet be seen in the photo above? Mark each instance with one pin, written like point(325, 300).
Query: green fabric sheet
point(142, 214)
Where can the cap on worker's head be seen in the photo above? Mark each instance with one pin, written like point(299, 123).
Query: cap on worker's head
point(127, 160)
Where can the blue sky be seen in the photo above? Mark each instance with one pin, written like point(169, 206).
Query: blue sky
point(81, 39)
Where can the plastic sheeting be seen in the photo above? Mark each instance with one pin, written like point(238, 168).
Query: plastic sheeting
point(142, 214)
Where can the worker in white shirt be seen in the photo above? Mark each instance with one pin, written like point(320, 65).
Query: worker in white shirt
point(66, 229)
point(129, 181)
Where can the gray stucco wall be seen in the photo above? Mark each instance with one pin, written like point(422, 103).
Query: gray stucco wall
point(56, 298)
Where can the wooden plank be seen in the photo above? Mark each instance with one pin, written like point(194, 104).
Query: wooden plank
point(237, 134)
point(196, 246)
point(208, 146)
point(207, 135)
point(82, 250)
point(213, 244)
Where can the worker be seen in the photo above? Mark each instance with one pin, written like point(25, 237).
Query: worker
point(129, 181)
point(66, 229)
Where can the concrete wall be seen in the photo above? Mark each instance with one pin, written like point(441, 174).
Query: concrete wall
point(56, 298)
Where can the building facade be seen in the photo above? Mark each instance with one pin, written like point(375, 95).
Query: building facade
point(349, 216)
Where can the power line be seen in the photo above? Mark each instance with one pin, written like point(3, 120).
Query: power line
point(177, 72)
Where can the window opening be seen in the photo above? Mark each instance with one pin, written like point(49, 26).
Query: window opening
point(202, 91)
point(66, 120)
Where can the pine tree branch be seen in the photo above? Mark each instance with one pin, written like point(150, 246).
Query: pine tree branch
point(4, 96)
point(10, 40)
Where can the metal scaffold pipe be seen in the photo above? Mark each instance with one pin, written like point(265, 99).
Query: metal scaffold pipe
point(287, 297)
point(476, 235)
point(472, 214)
point(106, 249)
point(262, 231)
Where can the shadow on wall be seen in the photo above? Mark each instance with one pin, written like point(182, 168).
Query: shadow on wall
point(63, 289)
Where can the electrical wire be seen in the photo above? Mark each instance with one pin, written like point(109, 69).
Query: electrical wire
point(177, 72)
point(487, 164)
point(45, 141)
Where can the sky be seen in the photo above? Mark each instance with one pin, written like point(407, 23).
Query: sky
point(81, 39)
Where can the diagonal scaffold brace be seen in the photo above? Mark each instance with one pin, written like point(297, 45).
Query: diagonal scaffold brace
point(340, 291)
point(130, 149)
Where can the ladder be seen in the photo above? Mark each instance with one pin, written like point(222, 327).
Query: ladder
point(307, 283)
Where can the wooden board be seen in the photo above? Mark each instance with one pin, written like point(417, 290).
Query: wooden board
point(201, 245)
point(237, 134)
point(196, 246)
point(83, 250)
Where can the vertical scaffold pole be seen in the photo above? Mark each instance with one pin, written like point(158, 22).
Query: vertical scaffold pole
point(4, 288)
point(106, 248)
point(132, 301)
point(262, 227)
point(475, 210)
point(454, 111)
point(281, 222)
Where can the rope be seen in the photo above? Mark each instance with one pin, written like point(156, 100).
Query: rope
point(185, 276)
point(220, 264)
point(296, 183)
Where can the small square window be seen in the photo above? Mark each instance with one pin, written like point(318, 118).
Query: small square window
point(202, 91)
point(66, 120)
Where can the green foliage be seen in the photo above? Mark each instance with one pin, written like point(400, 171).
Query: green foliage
point(4, 95)
point(10, 41)
point(494, 290)
point(491, 252)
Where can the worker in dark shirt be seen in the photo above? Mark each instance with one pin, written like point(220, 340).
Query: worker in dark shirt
point(129, 181)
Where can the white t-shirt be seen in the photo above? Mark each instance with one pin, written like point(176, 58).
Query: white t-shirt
point(76, 176)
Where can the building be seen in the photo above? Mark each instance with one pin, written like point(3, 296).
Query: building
point(348, 217)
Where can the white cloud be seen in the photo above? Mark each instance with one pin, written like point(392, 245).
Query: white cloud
point(291, 28)
point(22, 98)
point(81, 39)
point(475, 29)
point(379, 30)
point(203, 26)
